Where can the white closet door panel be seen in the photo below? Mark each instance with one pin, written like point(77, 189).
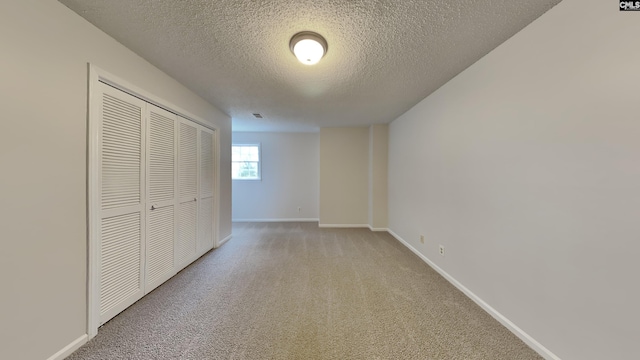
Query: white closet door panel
point(160, 246)
point(205, 225)
point(121, 256)
point(121, 231)
point(188, 161)
point(188, 193)
point(161, 196)
point(121, 150)
point(206, 164)
point(186, 249)
point(152, 212)
point(161, 156)
point(205, 218)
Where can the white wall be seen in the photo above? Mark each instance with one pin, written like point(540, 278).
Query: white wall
point(526, 166)
point(290, 168)
point(43, 153)
point(344, 176)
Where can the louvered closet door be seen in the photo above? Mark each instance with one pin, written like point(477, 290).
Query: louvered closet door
point(121, 231)
point(188, 192)
point(161, 196)
point(205, 202)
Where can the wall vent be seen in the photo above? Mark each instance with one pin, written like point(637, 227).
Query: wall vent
point(257, 115)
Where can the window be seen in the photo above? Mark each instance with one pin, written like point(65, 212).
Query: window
point(245, 162)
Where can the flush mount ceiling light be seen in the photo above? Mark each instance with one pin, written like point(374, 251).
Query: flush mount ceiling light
point(308, 47)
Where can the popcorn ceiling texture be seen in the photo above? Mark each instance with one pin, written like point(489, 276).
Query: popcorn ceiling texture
point(384, 55)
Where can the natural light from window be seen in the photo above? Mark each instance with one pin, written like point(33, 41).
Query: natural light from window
point(245, 162)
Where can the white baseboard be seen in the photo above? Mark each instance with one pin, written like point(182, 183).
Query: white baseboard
point(277, 220)
point(313, 220)
point(343, 225)
point(377, 229)
point(535, 345)
point(67, 350)
point(224, 240)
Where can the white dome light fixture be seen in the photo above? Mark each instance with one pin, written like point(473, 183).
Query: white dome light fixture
point(308, 47)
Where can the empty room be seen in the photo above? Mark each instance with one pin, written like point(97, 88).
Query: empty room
point(331, 179)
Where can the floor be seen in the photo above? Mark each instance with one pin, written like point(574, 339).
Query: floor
point(296, 291)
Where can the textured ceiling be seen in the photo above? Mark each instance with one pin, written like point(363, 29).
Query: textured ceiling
point(384, 55)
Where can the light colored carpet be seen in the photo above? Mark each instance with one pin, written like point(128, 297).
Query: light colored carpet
point(295, 291)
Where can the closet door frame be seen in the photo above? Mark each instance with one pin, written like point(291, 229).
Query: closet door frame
point(96, 76)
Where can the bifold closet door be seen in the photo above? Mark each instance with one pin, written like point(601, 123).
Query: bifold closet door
point(187, 193)
point(161, 196)
point(121, 206)
point(206, 193)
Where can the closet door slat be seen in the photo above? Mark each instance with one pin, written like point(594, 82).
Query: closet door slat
point(121, 152)
point(153, 176)
point(161, 198)
point(121, 149)
point(160, 246)
point(206, 215)
point(188, 191)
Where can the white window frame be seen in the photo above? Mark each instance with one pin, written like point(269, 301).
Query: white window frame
point(258, 145)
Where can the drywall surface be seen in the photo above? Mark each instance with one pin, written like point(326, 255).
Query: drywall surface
point(288, 189)
point(378, 164)
point(43, 156)
point(526, 168)
point(225, 195)
point(344, 176)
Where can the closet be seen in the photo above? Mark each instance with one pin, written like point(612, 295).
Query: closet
point(155, 210)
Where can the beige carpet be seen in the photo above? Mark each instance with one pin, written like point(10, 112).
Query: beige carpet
point(294, 291)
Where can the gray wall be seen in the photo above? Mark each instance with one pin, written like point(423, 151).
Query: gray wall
point(290, 167)
point(43, 156)
point(353, 176)
point(344, 176)
point(526, 166)
point(378, 179)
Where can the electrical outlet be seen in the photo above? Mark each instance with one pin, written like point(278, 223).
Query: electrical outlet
point(422, 239)
point(442, 250)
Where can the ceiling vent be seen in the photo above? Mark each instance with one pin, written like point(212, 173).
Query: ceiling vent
point(257, 115)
